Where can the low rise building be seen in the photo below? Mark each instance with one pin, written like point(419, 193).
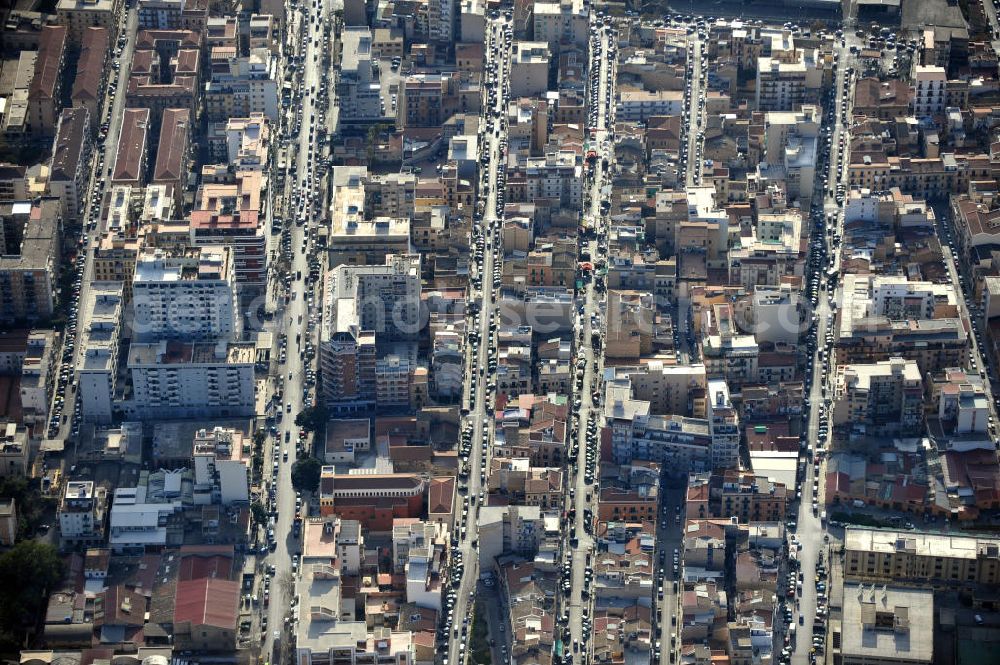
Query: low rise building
point(918, 558)
point(886, 625)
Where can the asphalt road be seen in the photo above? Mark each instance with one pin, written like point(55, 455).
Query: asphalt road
point(98, 186)
point(810, 532)
point(481, 409)
point(578, 490)
point(298, 316)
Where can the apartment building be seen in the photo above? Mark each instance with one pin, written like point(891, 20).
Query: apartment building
point(172, 155)
point(919, 558)
point(13, 184)
point(866, 334)
point(360, 237)
point(188, 294)
point(88, 86)
point(191, 379)
point(775, 313)
point(131, 157)
point(419, 553)
point(82, 513)
point(248, 143)
point(962, 402)
point(428, 100)
point(879, 399)
point(728, 353)
point(327, 633)
point(735, 493)
point(508, 530)
point(669, 389)
point(70, 164)
point(232, 214)
point(358, 87)
point(29, 263)
point(97, 362)
point(241, 86)
point(886, 625)
point(45, 91)
point(724, 426)
point(38, 376)
point(561, 23)
point(929, 83)
point(677, 442)
point(172, 14)
point(789, 76)
point(14, 451)
point(80, 15)
point(144, 517)
point(529, 69)
point(555, 179)
point(641, 105)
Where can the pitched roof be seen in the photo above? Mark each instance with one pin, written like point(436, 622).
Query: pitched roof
point(207, 602)
point(175, 132)
point(132, 146)
point(51, 45)
point(69, 144)
point(441, 495)
point(90, 65)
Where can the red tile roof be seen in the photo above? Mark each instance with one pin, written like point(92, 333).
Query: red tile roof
point(207, 602)
point(90, 66)
point(51, 45)
point(175, 132)
point(132, 146)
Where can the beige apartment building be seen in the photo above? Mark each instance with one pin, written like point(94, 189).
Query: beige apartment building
point(920, 558)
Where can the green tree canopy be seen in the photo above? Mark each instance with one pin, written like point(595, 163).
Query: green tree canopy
point(28, 573)
point(305, 474)
point(312, 418)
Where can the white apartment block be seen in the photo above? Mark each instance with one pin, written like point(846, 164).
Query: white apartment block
point(189, 294)
point(678, 442)
point(182, 379)
point(139, 515)
point(327, 630)
point(419, 553)
point(386, 297)
point(789, 76)
point(562, 22)
point(37, 376)
point(97, 362)
point(724, 425)
point(81, 513)
point(358, 88)
point(640, 105)
point(929, 83)
point(896, 297)
point(775, 314)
